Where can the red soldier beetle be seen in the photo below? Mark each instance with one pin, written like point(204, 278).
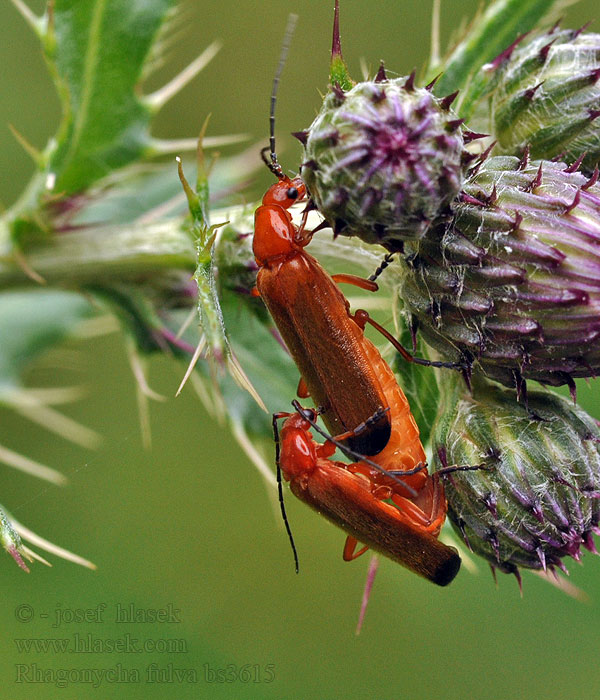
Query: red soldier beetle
point(357, 394)
point(354, 497)
point(339, 366)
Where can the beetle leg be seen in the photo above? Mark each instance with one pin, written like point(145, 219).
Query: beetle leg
point(350, 552)
point(361, 282)
point(326, 450)
point(384, 263)
point(428, 510)
point(361, 318)
point(302, 391)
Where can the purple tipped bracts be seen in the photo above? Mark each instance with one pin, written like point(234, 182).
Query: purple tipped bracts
point(546, 97)
point(384, 159)
point(536, 497)
point(512, 281)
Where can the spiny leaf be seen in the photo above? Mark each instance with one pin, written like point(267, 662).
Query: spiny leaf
point(97, 52)
point(31, 322)
point(419, 384)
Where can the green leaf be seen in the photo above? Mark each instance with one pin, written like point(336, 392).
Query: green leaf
point(134, 306)
point(419, 383)
point(30, 323)
point(97, 52)
point(153, 191)
point(269, 368)
point(501, 23)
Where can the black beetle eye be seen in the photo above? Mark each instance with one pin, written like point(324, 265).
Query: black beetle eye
point(292, 193)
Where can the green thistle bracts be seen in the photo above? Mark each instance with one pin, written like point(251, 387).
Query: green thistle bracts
point(536, 498)
point(513, 280)
point(547, 98)
point(384, 159)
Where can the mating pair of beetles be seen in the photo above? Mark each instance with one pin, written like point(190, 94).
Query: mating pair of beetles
point(386, 500)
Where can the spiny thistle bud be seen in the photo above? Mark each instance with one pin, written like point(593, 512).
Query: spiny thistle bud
point(536, 497)
point(513, 281)
point(383, 159)
point(548, 97)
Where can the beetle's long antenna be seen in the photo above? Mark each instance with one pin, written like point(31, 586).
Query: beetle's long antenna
point(285, 46)
point(280, 490)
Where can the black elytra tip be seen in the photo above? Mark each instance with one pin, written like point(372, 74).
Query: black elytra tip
point(447, 571)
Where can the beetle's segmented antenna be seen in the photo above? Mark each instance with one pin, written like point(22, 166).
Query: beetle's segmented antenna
point(285, 47)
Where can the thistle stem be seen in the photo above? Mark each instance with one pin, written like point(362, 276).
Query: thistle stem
point(100, 253)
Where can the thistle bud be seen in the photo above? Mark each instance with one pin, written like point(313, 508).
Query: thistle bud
point(536, 497)
point(383, 160)
point(548, 98)
point(513, 281)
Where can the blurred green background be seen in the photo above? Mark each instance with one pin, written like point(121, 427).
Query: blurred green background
point(190, 523)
